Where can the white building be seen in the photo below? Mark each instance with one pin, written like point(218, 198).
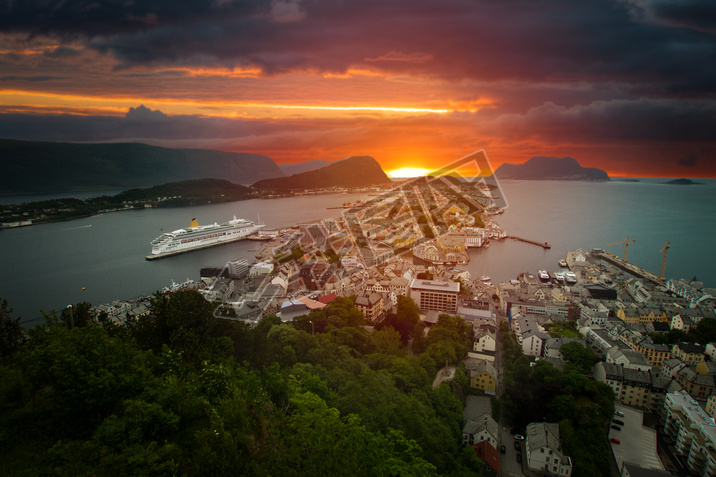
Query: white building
point(533, 342)
point(544, 450)
point(482, 429)
point(261, 268)
point(694, 432)
point(628, 358)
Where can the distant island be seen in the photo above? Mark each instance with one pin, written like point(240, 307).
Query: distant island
point(682, 182)
point(356, 171)
point(551, 168)
point(35, 167)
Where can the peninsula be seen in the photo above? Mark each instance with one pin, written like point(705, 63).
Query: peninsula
point(550, 168)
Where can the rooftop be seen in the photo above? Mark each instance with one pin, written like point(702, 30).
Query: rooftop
point(435, 285)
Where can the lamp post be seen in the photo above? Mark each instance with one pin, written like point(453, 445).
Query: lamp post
point(313, 329)
point(72, 321)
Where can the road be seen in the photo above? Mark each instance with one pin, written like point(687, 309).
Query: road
point(509, 467)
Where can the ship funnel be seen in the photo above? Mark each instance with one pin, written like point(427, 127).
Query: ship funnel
point(194, 224)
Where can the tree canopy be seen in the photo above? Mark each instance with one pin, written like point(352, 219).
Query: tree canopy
point(180, 392)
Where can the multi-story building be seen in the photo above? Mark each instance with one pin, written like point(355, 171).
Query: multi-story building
point(533, 342)
point(641, 315)
point(544, 450)
point(655, 353)
point(628, 358)
point(643, 389)
point(696, 380)
point(692, 291)
point(483, 375)
point(481, 433)
point(435, 295)
point(693, 431)
point(598, 339)
point(689, 353)
point(370, 305)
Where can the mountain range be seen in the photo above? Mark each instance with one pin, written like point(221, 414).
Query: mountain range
point(356, 171)
point(550, 168)
point(32, 167)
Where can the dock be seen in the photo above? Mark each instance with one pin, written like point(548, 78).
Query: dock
point(630, 268)
point(545, 245)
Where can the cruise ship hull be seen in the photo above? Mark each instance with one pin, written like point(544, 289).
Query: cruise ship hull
point(198, 238)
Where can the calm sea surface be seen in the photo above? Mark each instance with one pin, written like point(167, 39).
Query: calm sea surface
point(46, 266)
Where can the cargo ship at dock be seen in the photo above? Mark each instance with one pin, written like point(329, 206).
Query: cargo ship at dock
point(197, 236)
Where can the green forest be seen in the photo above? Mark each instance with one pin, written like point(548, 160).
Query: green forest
point(179, 392)
point(535, 391)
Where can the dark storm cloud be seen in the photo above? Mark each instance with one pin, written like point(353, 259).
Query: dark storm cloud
point(91, 18)
point(141, 123)
point(30, 78)
point(552, 40)
point(62, 52)
point(697, 15)
point(618, 120)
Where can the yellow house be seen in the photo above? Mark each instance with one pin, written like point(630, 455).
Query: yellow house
point(483, 375)
point(641, 315)
point(689, 353)
point(655, 353)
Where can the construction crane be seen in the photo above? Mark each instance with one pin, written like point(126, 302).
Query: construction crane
point(663, 263)
point(626, 246)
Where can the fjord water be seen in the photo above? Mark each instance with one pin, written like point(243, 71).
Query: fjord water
point(47, 266)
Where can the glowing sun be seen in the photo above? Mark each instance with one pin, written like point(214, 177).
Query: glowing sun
point(406, 172)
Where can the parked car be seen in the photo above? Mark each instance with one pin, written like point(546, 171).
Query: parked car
point(614, 441)
point(519, 437)
point(616, 428)
point(503, 449)
point(618, 421)
point(517, 446)
point(619, 413)
point(519, 458)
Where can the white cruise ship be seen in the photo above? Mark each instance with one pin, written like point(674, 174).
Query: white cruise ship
point(201, 236)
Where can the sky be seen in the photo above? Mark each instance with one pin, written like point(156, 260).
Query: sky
point(628, 86)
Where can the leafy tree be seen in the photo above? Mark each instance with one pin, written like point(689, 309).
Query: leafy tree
point(407, 310)
point(82, 375)
point(11, 334)
point(577, 354)
point(78, 315)
point(387, 341)
point(321, 442)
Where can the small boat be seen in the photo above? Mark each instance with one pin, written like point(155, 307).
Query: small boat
point(562, 263)
point(484, 278)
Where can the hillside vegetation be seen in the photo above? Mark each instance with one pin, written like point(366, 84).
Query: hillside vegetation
point(180, 392)
point(31, 167)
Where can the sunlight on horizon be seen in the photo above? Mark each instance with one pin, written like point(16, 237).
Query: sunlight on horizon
point(407, 172)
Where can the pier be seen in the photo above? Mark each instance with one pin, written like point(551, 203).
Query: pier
point(630, 267)
point(544, 245)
